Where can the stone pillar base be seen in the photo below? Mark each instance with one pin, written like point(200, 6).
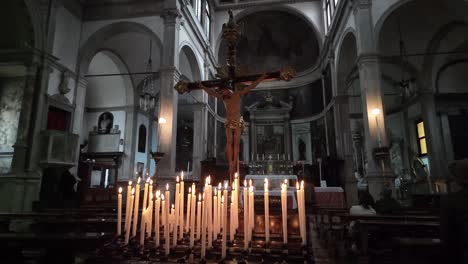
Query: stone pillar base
point(18, 191)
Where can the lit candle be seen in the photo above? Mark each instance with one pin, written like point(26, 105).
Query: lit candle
point(192, 218)
point(177, 209)
point(150, 189)
point(224, 209)
point(236, 201)
point(284, 209)
point(198, 233)
point(156, 218)
point(142, 226)
point(215, 213)
point(267, 213)
point(209, 216)
point(119, 212)
point(251, 213)
point(299, 208)
point(203, 229)
point(189, 207)
point(246, 215)
point(145, 193)
point(149, 216)
point(174, 226)
point(231, 222)
point(166, 221)
point(136, 207)
point(304, 226)
point(127, 205)
point(127, 223)
point(219, 214)
point(181, 206)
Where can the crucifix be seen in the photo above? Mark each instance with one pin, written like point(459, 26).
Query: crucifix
point(232, 83)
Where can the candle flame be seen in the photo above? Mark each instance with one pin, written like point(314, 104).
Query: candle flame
point(147, 179)
point(209, 179)
point(177, 179)
point(120, 190)
point(158, 193)
point(162, 197)
point(182, 175)
point(199, 197)
point(215, 190)
point(245, 183)
point(129, 183)
point(133, 191)
point(167, 186)
point(285, 181)
point(189, 189)
point(302, 184)
point(235, 175)
point(222, 199)
point(297, 185)
point(162, 120)
point(138, 180)
point(251, 188)
point(225, 186)
point(151, 182)
point(172, 206)
point(220, 187)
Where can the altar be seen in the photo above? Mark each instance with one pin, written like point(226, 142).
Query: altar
point(274, 182)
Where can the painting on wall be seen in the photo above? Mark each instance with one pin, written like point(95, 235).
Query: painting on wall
point(267, 42)
point(270, 139)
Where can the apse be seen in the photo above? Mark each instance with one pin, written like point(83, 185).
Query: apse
point(268, 43)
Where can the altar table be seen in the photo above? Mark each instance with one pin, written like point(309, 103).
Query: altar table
point(331, 197)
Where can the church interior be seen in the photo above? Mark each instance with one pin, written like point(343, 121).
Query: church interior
point(234, 131)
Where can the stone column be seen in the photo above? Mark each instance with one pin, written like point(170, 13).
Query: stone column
point(447, 135)
point(199, 125)
point(435, 149)
point(78, 116)
point(21, 145)
point(169, 76)
point(371, 96)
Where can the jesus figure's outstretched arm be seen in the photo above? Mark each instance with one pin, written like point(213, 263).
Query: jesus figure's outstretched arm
point(209, 91)
point(253, 85)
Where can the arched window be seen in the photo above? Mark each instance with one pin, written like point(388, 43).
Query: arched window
point(142, 139)
point(203, 13)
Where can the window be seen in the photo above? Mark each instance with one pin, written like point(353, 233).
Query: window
point(329, 7)
point(142, 139)
point(421, 138)
point(336, 2)
point(197, 6)
point(207, 25)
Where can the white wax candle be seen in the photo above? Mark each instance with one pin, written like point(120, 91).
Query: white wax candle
point(136, 207)
point(215, 214)
point(156, 218)
point(284, 209)
point(127, 205)
point(142, 226)
point(199, 212)
point(177, 209)
point(119, 212)
point(231, 222)
point(224, 209)
point(181, 206)
point(299, 208)
point(219, 214)
point(192, 219)
point(251, 213)
point(149, 216)
point(304, 225)
point(267, 213)
point(203, 231)
point(246, 214)
point(174, 226)
point(127, 223)
point(209, 222)
point(166, 221)
point(189, 207)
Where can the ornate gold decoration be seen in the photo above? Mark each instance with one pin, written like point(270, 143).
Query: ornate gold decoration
point(182, 87)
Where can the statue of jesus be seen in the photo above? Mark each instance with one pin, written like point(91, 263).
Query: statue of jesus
point(234, 124)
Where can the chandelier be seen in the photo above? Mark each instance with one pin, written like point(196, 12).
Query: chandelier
point(407, 83)
point(148, 92)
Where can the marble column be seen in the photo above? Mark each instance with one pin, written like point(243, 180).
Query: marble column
point(169, 76)
point(199, 126)
point(377, 172)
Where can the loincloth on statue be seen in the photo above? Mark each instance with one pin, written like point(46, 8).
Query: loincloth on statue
point(235, 123)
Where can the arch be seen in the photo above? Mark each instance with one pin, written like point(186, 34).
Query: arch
point(346, 61)
point(23, 33)
point(281, 8)
point(380, 22)
point(444, 68)
point(193, 60)
point(96, 40)
point(434, 45)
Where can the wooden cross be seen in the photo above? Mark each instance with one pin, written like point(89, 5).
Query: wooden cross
point(231, 76)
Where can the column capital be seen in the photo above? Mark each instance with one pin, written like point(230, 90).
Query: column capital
point(169, 71)
point(367, 58)
point(172, 17)
point(361, 4)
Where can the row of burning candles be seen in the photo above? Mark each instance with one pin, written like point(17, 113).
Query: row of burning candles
point(209, 216)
